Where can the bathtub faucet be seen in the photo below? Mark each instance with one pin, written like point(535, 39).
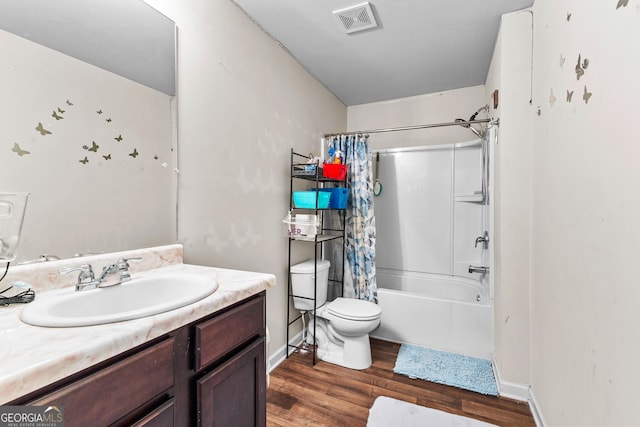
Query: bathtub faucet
point(476, 269)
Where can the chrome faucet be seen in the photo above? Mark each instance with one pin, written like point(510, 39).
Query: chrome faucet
point(121, 266)
point(484, 239)
point(477, 269)
point(87, 279)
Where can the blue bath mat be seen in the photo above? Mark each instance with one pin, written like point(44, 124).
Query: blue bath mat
point(460, 371)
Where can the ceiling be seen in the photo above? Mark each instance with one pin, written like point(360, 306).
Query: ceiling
point(418, 47)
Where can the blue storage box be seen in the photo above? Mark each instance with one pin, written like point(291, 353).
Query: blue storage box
point(307, 199)
point(339, 197)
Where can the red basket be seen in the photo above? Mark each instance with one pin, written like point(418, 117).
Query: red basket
point(334, 171)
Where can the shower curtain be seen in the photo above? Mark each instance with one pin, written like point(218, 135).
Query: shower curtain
point(360, 224)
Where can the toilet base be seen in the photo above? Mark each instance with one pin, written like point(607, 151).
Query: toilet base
point(349, 352)
point(356, 353)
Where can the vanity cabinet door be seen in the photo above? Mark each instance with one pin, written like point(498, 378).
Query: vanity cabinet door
point(234, 393)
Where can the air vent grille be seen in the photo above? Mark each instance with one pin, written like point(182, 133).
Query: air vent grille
point(356, 18)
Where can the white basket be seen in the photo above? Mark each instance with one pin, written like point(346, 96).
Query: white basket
point(301, 226)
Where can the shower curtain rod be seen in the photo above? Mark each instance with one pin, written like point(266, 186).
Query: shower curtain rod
point(432, 125)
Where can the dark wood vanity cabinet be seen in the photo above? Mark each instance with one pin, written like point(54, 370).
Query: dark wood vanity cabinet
point(211, 372)
point(230, 354)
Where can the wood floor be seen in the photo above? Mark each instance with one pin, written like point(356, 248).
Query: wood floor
point(328, 395)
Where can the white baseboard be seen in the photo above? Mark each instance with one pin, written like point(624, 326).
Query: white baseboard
point(519, 392)
point(281, 354)
point(535, 410)
point(508, 389)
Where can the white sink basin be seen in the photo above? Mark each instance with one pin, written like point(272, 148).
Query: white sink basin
point(140, 297)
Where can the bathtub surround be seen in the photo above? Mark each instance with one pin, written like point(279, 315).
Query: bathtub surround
point(429, 220)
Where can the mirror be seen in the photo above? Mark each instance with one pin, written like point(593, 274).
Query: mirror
point(126, 37)
point(89, 124)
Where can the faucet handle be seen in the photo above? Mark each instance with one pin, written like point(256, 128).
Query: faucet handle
point(86, 276)
point(123, 266)
point(86, 272)
point(123, 263)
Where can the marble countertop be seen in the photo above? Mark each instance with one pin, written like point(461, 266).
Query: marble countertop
point(32, 357)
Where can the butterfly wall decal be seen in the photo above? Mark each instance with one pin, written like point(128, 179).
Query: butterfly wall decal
point(94, 147)
point(118, 138)
point(42, 130)
point(60, 110)
point(622, 3)
point(579, 69)
point(134, 154)
point(109, 120)
point(69, 102)
point(569, 95)
point(56, 116)
point(19, 151)
point(552, 98)
point(586, 96)
point(99, 111)
point(84, 161)
point(107, 157)
point(568, 17)
point(562, 59)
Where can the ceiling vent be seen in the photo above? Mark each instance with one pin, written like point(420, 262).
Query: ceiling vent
point(356, 18)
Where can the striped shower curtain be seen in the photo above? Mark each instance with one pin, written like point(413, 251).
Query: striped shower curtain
point(360, 223)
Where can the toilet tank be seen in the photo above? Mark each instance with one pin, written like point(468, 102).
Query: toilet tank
point(303, 282)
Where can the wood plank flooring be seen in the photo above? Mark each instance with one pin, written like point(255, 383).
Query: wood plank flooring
point(328, 395)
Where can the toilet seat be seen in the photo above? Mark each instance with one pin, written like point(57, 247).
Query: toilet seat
point(353, 309)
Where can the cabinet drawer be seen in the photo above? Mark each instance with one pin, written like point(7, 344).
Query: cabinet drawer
point(224, 333)
point(111, 393)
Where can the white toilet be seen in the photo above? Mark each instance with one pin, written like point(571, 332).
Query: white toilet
point(342, 326)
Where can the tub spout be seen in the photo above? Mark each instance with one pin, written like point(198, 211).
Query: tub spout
point(477, 269)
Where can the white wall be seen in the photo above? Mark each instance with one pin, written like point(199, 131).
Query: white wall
point(566, 214)
point(510, 74)
point(105, 204)
point(243, 103)
point(585, 214)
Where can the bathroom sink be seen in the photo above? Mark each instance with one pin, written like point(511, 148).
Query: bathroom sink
point(139, 297)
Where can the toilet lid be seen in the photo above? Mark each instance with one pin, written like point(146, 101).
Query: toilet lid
point(354, 309)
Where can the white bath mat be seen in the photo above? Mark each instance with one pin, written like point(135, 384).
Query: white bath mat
point(387, 412)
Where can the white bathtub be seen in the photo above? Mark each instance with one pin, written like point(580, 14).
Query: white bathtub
point(436, 311)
